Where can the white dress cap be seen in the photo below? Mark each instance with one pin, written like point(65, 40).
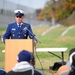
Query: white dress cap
point(16, 11)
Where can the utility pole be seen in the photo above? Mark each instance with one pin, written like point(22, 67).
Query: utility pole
point(53, 11)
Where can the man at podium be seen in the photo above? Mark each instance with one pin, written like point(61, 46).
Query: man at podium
point(19, 29)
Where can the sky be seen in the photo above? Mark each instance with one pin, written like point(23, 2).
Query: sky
point(36, 4)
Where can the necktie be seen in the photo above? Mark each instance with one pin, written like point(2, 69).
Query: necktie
point(19, 25)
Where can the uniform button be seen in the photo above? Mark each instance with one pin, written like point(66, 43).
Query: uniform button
point(24, 34)
point(18, 36)
point(19, 32)
point(13, 34)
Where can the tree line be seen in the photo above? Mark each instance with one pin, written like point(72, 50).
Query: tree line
point(60, 9)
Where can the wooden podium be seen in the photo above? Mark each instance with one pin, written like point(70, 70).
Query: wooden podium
point(13, 47)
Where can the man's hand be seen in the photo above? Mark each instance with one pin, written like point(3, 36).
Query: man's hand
point(35, 43)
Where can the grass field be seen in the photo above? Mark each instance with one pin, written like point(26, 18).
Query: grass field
point(52, 39)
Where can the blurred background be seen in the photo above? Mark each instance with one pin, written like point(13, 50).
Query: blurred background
point(53, 22)
point(46, 12)
point(31, 9)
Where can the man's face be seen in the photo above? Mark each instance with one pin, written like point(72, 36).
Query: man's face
point(19, 19)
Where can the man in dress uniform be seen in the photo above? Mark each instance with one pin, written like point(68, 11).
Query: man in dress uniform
point(19, 29)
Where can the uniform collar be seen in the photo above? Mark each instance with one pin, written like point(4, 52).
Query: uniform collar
point(20, 24)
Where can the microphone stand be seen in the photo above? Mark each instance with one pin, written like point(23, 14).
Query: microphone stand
point(33, 35)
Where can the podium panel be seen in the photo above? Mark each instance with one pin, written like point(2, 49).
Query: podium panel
point(13, 47)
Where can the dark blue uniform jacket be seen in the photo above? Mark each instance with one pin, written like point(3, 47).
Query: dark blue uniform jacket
point(15, 32)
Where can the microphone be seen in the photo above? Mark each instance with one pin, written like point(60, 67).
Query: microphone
point(33, 35)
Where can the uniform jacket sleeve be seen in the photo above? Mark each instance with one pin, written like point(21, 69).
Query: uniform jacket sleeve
point(7, 34)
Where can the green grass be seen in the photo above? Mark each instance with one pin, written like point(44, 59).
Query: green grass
point(2, 29)
point(54, 39)
point(51, 39)
point(2, 55)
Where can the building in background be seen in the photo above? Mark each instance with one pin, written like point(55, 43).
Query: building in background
point(7, 14)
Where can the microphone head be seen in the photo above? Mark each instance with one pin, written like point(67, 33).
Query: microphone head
point(34, 34)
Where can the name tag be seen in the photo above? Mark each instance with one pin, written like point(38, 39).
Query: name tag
point(13, 29)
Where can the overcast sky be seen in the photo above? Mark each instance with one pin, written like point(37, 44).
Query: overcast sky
point(31, 3)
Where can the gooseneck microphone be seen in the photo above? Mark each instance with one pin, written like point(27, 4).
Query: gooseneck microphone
point(33, 35)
